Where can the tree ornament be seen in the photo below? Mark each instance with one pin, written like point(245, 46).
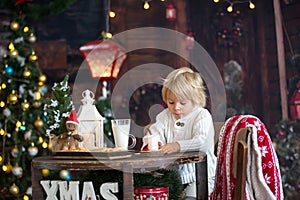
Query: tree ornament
point(31, 38)
point(23, 128)
point(37, 104)
point(25, 105)
point(6, 112)
point(45, 172)
point(14, 26)
point(17, 170)
point(27, 135)
point(33, 57)
point(14, 189)
point(65, 174)
point(42, 78)
point(38, 123)
point(9, 70)
point(14, 151)
point(14, 53)
point(33, 150)
point(12, 97)
point(27, 73)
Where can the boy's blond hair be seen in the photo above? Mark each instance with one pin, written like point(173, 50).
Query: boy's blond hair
point(184, 83)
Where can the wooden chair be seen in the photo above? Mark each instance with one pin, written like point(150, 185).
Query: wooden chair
point(233, 150)
point(239, 159)
point(217, 127)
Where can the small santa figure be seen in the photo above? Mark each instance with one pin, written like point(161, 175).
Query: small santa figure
point(72, 137)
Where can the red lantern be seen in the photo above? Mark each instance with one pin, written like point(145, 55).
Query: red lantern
point(104, 58)
point(295, 103)
point(170, 11)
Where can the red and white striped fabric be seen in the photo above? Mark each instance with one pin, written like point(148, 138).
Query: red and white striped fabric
point(263, 174)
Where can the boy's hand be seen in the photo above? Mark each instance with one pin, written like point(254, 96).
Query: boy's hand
point(170, 148)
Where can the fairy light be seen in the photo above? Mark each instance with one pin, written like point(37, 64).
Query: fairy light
point(26, 29)
point(44, 145)
point(251, 5)
point(232, 3)
point(108, 35)
point(2, 132)
point(3, 85)
point(41, 139)
point(2, 104)
point(4, 168)
point(38, 96)
point(11, 46)
point(111, 14)
point(18, 124)
point(230, 8)
point(146, 5)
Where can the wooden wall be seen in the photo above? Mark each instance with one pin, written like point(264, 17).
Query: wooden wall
point(255, 51)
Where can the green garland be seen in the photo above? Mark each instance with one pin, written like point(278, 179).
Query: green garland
point(36, 11)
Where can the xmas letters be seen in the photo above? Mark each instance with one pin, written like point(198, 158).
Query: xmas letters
point(71, 190)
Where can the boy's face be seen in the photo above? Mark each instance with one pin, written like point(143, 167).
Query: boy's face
point(179, 108)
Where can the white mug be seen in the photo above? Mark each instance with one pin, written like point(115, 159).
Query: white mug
point(152, 142)
point(121, 132)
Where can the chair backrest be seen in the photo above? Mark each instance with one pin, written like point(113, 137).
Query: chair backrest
point(217, 127)
point(239, 162)
point(246, 170)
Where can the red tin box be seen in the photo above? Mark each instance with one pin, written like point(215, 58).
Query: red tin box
point(151, 193)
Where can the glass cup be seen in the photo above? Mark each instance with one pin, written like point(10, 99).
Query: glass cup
point(121, 132)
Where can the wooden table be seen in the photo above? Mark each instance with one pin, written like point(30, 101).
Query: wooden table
point(127, 165)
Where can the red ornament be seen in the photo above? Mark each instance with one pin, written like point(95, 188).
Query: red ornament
point(22, 4)
point(295, 103)
point(170, 11)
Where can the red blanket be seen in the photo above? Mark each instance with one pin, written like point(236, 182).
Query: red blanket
point(263, 174)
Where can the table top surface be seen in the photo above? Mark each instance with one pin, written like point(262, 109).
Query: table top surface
point(129, 159)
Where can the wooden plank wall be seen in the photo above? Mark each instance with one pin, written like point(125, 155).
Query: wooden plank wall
point(255, 52)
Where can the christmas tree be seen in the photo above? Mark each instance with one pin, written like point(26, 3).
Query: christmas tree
point(58, 108)
point(21, 106)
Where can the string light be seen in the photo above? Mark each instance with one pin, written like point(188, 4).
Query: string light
point(230, 8)
point(146, 5)
point(251, 5)
point(231, 4)
point(111, 14)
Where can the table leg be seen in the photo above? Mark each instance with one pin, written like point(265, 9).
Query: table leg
point(202, 182)
point(36, 176)
point(128, 182)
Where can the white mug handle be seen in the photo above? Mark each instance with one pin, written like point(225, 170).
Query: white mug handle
point(133, 141)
